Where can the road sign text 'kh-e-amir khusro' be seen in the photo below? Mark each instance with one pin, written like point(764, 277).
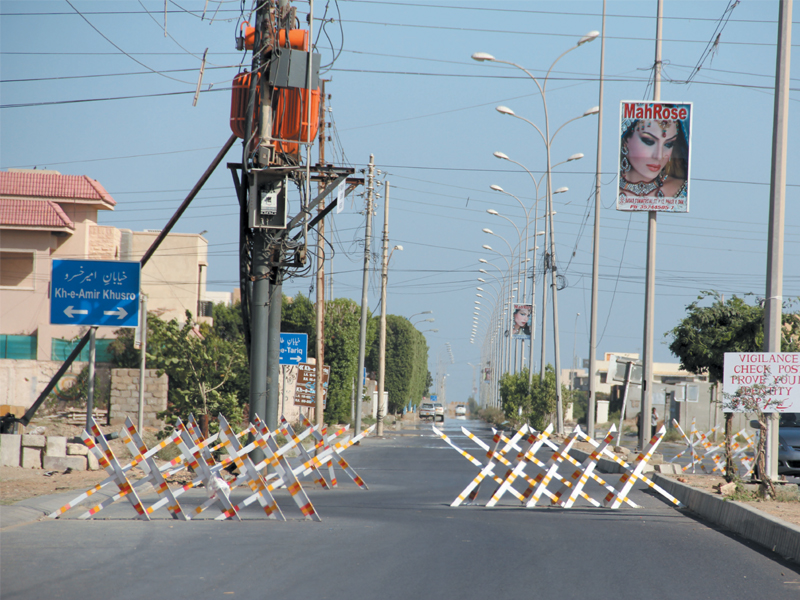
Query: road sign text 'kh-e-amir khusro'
point(95, 292)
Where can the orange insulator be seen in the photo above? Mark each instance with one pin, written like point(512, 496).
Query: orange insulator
point(249, 35)
point(298, 39)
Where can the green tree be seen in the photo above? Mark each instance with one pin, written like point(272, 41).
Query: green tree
point(202, 367)
point(342, 330)
point(703, 337)
point(406, 368)
point(537, 401)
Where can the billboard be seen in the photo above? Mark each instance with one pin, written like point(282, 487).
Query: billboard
point(654, 152)
point(521, 322)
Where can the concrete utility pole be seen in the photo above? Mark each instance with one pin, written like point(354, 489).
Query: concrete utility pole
point(590, 416)
point(382, 340)
point(320, 288)
point(650, 276)
point(259, 299)
point(773, 304)
point(362, 341)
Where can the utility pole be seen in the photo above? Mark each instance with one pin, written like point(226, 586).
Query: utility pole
point(259, 300)
point(382, 340)
point(773, 304)
point(320, 287)
point(362, 341)
point(650, 275)
point(590, 416)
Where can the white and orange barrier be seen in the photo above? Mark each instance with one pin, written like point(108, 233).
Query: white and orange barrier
point(199, 455)
point(572, 487)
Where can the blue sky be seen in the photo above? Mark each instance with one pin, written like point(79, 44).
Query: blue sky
point(404, 88)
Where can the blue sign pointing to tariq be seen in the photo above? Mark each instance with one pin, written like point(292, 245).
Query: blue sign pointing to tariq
point(294, 348)
point(95, 292)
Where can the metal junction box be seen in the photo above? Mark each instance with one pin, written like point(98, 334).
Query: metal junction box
point(267, 205)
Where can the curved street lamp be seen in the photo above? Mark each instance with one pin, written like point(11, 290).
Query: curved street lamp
point(548, 139)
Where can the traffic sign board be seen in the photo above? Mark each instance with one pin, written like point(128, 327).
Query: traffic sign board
point(306, 387)
point(294, 348)
point(95, 292)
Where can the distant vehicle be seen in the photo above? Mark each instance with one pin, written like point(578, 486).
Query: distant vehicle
point(439, 411)
point(427, 411)
point(461, 410)
point(789, 444)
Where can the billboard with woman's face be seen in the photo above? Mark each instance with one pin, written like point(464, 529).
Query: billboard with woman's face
point(521, 322)
point(654, 149)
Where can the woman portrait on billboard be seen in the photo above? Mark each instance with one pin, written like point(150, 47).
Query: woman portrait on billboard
point(654, 158)
point(521, 326)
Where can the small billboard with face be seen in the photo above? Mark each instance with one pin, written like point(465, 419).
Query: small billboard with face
point(521, 322)
point(654, 151)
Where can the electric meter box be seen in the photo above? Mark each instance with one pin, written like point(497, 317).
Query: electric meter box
point(267, 206)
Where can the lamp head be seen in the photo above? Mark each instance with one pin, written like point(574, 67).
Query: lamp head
point(561, 190)
point(481, 279)
point(501, 155)
point(592, 111)
point(483, 271)
point(486, 247)
point(504, 110)
point(492, 211)
point(496, 188)
point(484, 56)
point(484, 261)
point(577, 156)
point(489, 231)
point(398, 248)
point(587, 38)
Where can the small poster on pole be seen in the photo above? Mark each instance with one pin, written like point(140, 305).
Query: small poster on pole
point(521, 322)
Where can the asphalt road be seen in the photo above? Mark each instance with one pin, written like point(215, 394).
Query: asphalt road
point(398, 540)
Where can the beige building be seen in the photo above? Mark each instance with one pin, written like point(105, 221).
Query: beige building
point(677, 394)
point(45, 215)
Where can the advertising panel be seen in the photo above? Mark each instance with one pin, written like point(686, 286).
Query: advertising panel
point(779, 372)
point(521, 322)
point(654, 152)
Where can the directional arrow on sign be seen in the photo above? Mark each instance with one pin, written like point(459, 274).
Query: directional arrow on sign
point(120, 313)
point(295, 359)
point(71, 312)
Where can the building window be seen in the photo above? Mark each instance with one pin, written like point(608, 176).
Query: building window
point(603, 377)
point(17, 269)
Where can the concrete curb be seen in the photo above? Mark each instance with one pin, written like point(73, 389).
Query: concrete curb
point(739, 517)
point(750, 523)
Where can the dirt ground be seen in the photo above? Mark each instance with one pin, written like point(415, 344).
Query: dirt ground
point(786, 511)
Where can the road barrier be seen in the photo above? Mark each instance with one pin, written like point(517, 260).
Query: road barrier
point(198, 454)
point(715, 452)
point(572, 486)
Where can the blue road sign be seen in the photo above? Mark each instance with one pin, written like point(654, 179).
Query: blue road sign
point(294, 348)
point(434, 398)
point(95, 292)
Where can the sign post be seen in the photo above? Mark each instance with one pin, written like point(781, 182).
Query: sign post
point(305, 389)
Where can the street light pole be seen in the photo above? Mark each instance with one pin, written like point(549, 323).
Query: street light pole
point(482, 56)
